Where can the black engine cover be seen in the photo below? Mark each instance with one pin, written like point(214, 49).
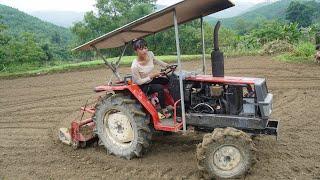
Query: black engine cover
point(234, 99)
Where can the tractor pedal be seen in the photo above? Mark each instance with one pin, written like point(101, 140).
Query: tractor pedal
point(167, 122)
point(161, 116)
point(179, 119)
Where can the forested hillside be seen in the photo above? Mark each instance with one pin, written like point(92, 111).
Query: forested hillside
point(27, 41)
point(275, 11)
point(286, 26)
point(18, 22)
point(260, 12)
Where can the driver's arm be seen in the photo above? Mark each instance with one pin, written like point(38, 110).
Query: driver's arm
point(158, 62)
point(137, 77)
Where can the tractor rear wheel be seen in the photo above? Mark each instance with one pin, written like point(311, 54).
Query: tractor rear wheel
point(225, 153)
point(122, 126)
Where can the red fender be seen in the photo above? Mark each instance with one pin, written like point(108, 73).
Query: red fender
point(143, 99)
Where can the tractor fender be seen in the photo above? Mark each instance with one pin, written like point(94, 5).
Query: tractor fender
point(137, 93)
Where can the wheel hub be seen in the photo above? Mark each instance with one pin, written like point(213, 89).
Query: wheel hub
point(227, 157)
point(119, 128)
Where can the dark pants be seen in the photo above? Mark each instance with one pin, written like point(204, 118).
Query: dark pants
point(156, 85)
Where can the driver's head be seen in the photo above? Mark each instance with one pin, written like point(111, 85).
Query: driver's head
point(140, 46)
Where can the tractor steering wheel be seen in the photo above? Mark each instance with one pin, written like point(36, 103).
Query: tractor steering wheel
point(168, 69)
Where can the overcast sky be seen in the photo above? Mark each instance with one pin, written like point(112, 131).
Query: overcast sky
point(72, 5)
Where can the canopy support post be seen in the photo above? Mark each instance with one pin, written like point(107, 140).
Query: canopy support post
point(180, 71)
point(114, 69)
point(122, 54)
point(118, 62)
point(204, 69)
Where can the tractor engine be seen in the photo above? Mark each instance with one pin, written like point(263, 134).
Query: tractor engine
point(206, 98)
point(213, 98)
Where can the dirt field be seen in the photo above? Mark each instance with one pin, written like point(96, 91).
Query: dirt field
point(32, 110)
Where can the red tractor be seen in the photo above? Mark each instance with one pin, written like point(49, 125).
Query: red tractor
point(231, 109)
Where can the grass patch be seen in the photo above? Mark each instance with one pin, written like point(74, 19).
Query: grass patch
point(302, 53)
point(288, 57)
point(241, 52)
point(60, 66)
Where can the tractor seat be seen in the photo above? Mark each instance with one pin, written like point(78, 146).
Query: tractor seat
point(127, 79)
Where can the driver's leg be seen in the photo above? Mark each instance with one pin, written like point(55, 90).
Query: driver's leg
point(152, 88)
point(160, 80)
point(159, 89)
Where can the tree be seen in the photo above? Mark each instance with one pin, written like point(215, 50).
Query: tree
point(242, 26)
point(46, 48)
point(271, 31)
point(4, 39)
point(110, 15)
point(301, 12)
point(139, 10)
point(56, 38)
point(25, 50)
point(119, 8)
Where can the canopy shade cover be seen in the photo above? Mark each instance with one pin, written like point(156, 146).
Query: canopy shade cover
point(186, 11)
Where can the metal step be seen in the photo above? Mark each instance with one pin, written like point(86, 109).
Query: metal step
point(169, 121)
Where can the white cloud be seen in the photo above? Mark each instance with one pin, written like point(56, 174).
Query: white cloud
point(167, 2)
point(58, 5)
point(75, 5)
point(171, 2)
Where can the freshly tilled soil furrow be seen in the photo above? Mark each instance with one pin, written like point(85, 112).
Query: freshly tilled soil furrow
point(32, 110)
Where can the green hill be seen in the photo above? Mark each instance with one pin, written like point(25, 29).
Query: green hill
point(18, 22)
point(274, 11)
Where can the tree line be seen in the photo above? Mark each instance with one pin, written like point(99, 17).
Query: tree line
point(300, 25)
point(301, 18)
point(28, 41)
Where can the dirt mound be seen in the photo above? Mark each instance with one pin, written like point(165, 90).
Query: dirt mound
point(276, 47)
point(32, 110)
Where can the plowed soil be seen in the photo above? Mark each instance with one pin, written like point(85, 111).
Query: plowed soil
point(33, 108)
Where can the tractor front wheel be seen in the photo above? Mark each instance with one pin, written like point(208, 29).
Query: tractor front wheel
point(122, 126)
point(225, 153)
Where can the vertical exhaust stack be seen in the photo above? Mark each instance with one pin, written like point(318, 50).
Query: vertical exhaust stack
point(217, 58)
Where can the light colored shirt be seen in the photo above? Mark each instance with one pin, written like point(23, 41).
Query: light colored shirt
point(318, 55)
point(141, 72)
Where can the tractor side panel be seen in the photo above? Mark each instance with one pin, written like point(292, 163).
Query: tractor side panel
point(110, 88)
point(222, 121)
point(143, 99)
point(138, 94)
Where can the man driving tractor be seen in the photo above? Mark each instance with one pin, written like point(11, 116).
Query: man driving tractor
point(317, 56)
point(124, 119)
point(142, 73)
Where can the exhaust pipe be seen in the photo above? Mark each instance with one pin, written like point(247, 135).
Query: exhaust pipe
point(217, 58)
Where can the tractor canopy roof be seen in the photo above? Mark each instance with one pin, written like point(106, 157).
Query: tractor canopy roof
point(186, 11)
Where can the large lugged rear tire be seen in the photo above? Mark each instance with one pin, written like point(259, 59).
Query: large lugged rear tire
point(122, 126)
point(225, 153)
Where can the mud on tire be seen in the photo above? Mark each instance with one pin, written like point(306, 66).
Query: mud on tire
point(131, 110)
point(225, 153)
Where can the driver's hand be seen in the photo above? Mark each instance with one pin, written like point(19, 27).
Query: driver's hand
point(154, 75)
